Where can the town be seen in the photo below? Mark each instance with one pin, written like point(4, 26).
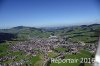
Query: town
point(37, 46)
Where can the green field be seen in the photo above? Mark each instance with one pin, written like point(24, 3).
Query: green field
point(83, 54)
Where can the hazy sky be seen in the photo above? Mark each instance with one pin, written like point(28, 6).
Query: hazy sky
point(41, 13)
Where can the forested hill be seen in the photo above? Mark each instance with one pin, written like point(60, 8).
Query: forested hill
point(6, 36)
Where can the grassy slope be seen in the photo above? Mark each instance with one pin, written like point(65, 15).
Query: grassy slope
point(83, 54)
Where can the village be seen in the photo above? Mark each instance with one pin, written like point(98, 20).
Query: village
point(35, 46)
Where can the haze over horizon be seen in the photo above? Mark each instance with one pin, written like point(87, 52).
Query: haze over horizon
point(48, 13)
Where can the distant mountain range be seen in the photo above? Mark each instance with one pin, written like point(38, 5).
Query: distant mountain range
point(74, 32)
point(19, 28)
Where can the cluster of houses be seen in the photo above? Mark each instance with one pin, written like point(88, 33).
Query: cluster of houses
point(45, 45)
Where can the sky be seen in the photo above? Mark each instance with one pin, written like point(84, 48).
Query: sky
point(48, 13)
